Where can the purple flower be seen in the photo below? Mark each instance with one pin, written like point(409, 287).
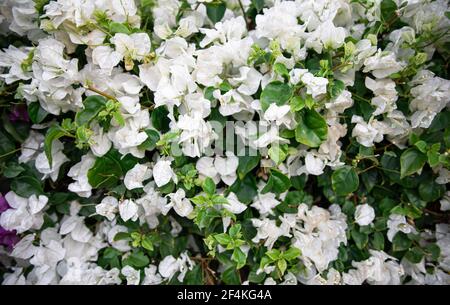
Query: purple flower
point(8, 238)
point(19, 113)
point(3, 204)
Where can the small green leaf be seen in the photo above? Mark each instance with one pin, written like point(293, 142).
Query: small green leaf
point(209, 186)
point(414, 255)
point(53, 133)
point(312, 128)
point(26, 186)
point(411, 161)
point(278, 183)
point(92, 106)
point(291, 253)
point(361, 239)
point(36, 112)
point(275, 92)
point(344, 180)
point(215, 11)
point(401, 242)
point(116, 27)
point(239, 257)
point(246, 164)
point(105, 173)
point(222, 238)
point(282, 265)
point(150, 142)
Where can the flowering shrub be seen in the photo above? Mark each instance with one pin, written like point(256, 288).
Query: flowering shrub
point(224, 142)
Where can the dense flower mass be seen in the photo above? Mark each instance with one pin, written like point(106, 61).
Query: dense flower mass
point(224, 142)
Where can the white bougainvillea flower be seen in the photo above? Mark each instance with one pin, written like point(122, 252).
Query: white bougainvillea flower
point(162, 172)
point(106, 58)
point(128, 210)
point(108, 207)
point(180, 203)
point(135, 176)
point(364, 214)
point(132, 47)
point(397, 223)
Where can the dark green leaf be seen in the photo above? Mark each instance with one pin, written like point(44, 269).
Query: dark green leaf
point(275, 92)
point(311, 129)
point(345, 180)
point(411, 161)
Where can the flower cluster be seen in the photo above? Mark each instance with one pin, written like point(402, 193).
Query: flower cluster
point(224, 142)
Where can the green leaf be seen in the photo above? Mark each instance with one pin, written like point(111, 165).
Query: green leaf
point(344, 180)
point(222, 238)
point(234, 230)
point(209, 186)
point(231, 276)
point(245, 189)
point(297, 103)
point(278, 153)
point(401, 242)
point(246, 164)
point(275, 92)
point(411, 161)
point(53, 133)
point(414, 255)
point(281, 70)
point(160, 120)
point(194, 276)
point(291, 253)
point(361, 239)
point(278, 183)
point(137, 260)
point(335, 88)
point(116, 27)
point(36, 113)
point(434, 251)
point(258, 4)
point(273, 254)
point(105, 173)
point(12, 170)
point(239, 257)
point(387, 9)
point(92, 106)
point(311, 129)
point(215, 11)
point(430, 191)
point(6, 145)
point(147, 243)
point(378, 241)
point(150, 142)
point(282, 265)
point(26, 186)
point(121, 236)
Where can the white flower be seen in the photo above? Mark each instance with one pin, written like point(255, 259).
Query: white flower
point(106, 58)
point(382, 65)
point(132, 47)
point(128, 210)
point(234, 205)
point(151, 276)
point(314, 85)
point(264, 203)
point(108, 207)
point(58, 158)
point(135, 176)
point(364, 214)
point(168, 267)
point(79, 172)
point(24, 214)
point(180, 204)
point(314, 164)
point(367, 133)
point(132, 275)
point(397, 223)
point(331, 37)
point(162, 172)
